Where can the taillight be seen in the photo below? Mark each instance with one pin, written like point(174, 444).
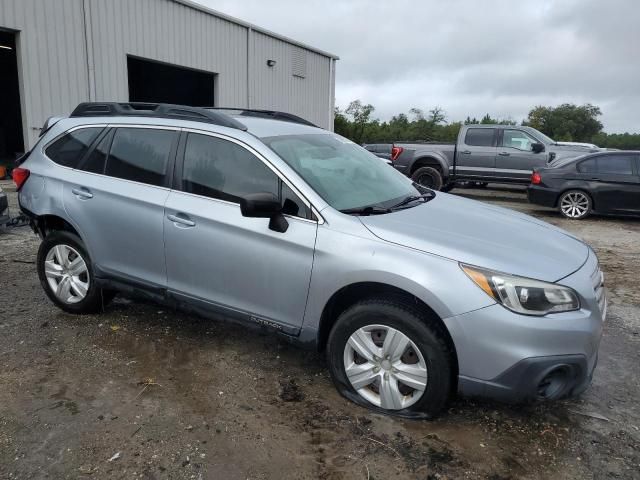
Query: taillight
point(395, 153)
point(536, 179)
point(20, 176)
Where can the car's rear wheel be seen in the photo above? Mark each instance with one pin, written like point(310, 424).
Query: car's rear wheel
point(575, 204)
point(428, 177)
point(391, 357)
point(66, 274)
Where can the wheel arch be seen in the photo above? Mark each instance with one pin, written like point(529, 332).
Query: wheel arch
point(355, 292)
point(430, 160)
point(47, 223)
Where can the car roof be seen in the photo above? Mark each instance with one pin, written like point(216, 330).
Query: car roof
point(256, 126)
point(571, 160)
point(265, 127)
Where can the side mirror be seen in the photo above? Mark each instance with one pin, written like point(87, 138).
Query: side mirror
point(537, 147)
point(264, 205)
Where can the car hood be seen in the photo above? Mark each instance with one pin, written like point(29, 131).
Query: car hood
point(483, 235)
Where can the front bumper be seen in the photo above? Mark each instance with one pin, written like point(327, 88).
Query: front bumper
point(542, 196)
point(531, 379)
point(516, 358)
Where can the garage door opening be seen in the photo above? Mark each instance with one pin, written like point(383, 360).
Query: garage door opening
point(11, 139)
point(151, 81)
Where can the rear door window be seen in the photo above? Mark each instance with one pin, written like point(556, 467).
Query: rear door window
point(480, 137)
point(616, 164)
point(71, 147)
point(140, 155)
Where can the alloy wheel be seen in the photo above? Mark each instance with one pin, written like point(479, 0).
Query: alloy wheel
point(67, 274)
point(385, 367)
point(575, 204)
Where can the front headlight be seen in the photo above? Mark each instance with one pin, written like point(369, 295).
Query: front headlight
point(524, 295)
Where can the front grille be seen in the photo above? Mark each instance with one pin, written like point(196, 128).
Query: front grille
point(597, 281)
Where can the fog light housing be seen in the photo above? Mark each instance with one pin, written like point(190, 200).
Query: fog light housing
point(554, 384)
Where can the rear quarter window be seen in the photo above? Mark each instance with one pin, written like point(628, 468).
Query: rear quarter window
point(69, 149)
point(588, 166)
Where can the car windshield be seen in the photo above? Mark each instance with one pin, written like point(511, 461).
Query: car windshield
point(345, 175)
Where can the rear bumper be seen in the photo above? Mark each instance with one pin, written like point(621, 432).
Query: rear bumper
point(542, 196)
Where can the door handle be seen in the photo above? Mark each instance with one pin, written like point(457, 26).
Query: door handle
point(596, 179)
point(466, 152)
point(182, 220)
point(82, 193)
point(504, 154)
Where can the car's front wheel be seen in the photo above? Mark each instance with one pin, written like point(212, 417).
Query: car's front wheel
point(575, 204)
point(66, 274)
point(391, 357)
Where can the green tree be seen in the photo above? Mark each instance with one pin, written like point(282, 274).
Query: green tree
point(361, 115)
point(622, 141)
point(437, 116)
point(566, 122)
point(341, 124)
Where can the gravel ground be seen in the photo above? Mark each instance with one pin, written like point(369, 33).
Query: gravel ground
point(141, 391)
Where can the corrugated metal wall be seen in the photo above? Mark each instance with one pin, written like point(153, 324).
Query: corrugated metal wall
point(278, 88)
point(51, 58)
point(60, 66)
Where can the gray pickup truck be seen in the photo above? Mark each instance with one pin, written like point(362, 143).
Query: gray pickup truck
point(483, 153)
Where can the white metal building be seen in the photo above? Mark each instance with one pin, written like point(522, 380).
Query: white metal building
point(55, 54)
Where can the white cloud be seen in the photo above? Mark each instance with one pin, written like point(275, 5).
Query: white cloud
point(470, 57)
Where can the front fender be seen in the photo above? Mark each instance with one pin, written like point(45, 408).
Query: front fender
point(343, 259)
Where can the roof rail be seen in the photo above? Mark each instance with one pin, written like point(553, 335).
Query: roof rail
point(272, 114)
point(155, 110)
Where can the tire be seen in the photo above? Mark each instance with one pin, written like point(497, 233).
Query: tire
point(575, 204)
point(432, 365)
point(428, 177)
point(57, 255)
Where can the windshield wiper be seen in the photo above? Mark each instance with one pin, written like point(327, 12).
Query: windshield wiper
point(412, 198)
point(364, 211)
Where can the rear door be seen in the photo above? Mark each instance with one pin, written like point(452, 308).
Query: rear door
point(515, 159)
point(221, 260)
point(616, 184)
point(477, 153)
point(117, 197)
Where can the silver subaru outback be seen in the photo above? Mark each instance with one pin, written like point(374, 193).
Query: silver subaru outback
point(271, 221)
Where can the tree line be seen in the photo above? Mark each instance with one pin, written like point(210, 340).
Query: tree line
point(567, 122)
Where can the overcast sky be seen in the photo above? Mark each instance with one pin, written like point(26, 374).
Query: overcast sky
point(470, 57)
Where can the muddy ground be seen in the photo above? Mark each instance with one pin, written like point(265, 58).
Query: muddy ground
point(144, 392)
